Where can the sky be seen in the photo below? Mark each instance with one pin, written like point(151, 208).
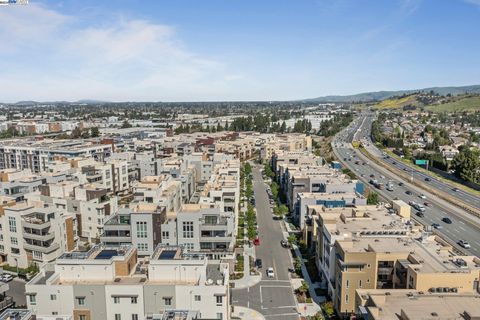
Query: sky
point(218, 50)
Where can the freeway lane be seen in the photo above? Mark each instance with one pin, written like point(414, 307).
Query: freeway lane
point(462, 195)
point(271, 297)
point(459, 229)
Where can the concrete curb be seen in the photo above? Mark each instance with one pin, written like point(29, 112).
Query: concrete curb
point(246, 314)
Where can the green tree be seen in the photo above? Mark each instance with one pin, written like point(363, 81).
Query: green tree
point(126, 124)
point(372, 198)
point(466, 164)
point(94, 132)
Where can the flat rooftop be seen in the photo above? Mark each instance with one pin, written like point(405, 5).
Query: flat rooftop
point(98, 252)
point(412, 305)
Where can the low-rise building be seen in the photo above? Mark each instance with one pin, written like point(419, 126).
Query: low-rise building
point(111, 283)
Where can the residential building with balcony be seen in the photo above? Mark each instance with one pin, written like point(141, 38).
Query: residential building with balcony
point(111, 283)
point(35, 235)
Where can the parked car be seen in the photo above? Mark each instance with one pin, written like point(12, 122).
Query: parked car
point(447, 220)
point(464, 244)
point(6, 277)
point(258, 263)
point(256, 241)
point(270, 273)
point(284, 243)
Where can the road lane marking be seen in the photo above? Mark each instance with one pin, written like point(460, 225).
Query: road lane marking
point(280, 314)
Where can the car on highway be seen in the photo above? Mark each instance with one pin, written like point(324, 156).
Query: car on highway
point(372, 176)
point(400, 184)
point(447, 220)
point(408, 192)
point(456, 189)
point(427, 204)
point(436, 226)
point(258, 263)
point(464, 244)
point(419, 214)
point(427, 179)
point(422, 196)
point(270, 273)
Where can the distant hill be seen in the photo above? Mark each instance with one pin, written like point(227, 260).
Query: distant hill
point(460, 105)
point(382, 95)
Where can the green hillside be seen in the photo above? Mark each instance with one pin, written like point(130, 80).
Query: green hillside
point(464, 104)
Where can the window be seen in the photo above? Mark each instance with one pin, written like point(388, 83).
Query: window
point(81, 301)
point(188, 246)
point(116, 299)
point(82, 317)
point(165, 234)
point(134, 316)
point(142, 246)
point(219, 315)
point(12, 224)
point(198, 298)
point(133, 300)
point(369, 265)
point(118, 316)
point(347, 283)
point(188, 229)
point(32, 299)
point(346, 298)
point(219, 300)
point(360, 283)
point(53, 297)
point(211, 220)
point(141, 229)
point(2, 248)
point(54, 313)
point(168, 301)
point(37, 254)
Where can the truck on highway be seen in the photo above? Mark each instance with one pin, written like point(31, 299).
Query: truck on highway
point(378, 185)
point(389, 186)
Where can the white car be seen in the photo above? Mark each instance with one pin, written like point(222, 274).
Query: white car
point(6, 277)
point(422, 196)
point(270, 273)
point(464, 243)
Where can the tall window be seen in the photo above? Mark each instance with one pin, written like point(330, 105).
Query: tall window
point(219, 300)
point(188, 229)
point(81, 301)
point(12, 223)
point(118, 316)
point(116, 299)
point(14, 241)
point(141, 229)
point(134, 316)
point(33, 299)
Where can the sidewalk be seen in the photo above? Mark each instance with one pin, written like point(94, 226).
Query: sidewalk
point(247, 280)
point(246, 314)
point(306, 277)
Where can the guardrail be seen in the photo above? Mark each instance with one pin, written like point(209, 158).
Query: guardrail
point(441, 194)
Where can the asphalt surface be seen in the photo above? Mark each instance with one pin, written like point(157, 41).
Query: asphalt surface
point(272, 297)
point(17, 291)
point(461, 227)
point(462, 195)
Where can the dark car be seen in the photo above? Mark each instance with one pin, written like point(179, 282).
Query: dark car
point(420, 214)
point(400, 184)
point(408, 192)
point(427, 179)
point(372, 176)
point(284, 243)
point(455, 189)
point(258, 263)
point(447, 220)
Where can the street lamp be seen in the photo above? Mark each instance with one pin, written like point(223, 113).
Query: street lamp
point(16, 264)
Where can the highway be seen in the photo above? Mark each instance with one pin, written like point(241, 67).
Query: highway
point(462, 195)
point(463, 226)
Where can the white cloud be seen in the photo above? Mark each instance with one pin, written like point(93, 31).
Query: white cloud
point(57, 59)
point(477, 2)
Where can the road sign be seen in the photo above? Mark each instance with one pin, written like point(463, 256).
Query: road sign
point(421, 162)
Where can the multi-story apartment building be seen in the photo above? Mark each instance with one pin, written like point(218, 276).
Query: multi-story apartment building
point(111, 283)
point(140, 224)
point(407, 304)
point(35, 154)
point(330, 200)
point(368, 248)
point(35, 235)
point(286, 142)
point(162, 190)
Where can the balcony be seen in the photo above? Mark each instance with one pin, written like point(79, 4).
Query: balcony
point(31, 247)
point(39, 237)
point(34, 223)
point(6, 302)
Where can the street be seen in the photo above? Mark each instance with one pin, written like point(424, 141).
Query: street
point(274, 297)
point(463, 226)
point(17, 291)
